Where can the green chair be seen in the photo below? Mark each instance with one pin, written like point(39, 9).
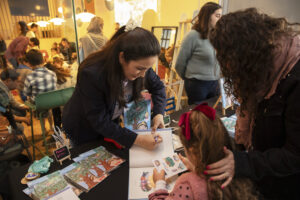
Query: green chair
point(44, 102)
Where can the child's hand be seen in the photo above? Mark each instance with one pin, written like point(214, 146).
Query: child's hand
point(187, 162)
point(158, 176)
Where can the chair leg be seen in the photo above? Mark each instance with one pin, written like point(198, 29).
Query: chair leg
point(26, 146)
point(43, 131)
point(32, 134)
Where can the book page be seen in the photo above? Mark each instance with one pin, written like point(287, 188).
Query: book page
point(141, 183)
point(172, 165)
point(140, 157)
point(67, 194)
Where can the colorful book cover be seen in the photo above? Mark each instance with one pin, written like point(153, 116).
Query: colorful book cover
point(80, 176)
point(53, 184)
point(172, 165)
point(137, 115)
point(100, 160)
point(30, 191)
point(105, 161)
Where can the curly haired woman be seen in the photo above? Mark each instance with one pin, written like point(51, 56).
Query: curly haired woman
point(259, 58)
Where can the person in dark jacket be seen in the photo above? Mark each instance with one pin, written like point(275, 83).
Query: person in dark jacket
point(106, 81)
point(259, 58)
point(68, 50)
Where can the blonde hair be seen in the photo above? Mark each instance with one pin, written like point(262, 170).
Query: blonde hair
point(96, 25)
point(208, 137)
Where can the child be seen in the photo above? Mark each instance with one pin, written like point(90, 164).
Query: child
point(23, 69)
point(55, 54)
point(203, 137)
point(41, 79)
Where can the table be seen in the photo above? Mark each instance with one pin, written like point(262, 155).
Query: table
point(114, 187)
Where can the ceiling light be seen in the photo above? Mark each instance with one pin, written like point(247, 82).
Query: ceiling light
point(57, 21)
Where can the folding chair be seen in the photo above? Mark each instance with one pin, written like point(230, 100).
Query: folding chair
point(44, 102)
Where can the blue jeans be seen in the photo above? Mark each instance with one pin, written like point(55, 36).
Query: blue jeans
point(198, 90)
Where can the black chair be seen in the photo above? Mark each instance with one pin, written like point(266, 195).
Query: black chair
point(20, 144)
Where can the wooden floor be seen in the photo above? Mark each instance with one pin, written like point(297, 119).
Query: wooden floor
point(38, 138)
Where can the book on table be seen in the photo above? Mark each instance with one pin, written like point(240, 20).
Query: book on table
point(49, 186)
point(92, 167)
point(141, 166)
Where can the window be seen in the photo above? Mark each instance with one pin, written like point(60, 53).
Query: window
point(165, 39)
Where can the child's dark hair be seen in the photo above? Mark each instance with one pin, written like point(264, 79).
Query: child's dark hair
point(34, 57)
point(35, 41)
point(22, 60)
point(208, 138)
point(135, 44)
point(54, 49)
point(34, 25)
point(61, 74)
point(58, 60)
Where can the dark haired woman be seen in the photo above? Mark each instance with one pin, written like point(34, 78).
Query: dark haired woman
point(196, 62)
point(22, 28)
point(68, 50)
point(259, 57)
point(110, 78)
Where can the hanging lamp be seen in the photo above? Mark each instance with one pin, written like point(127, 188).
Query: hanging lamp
point(85, 16)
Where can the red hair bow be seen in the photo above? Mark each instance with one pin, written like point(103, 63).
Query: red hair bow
point(184, 121)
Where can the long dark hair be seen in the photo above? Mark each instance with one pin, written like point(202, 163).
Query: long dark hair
point(245, 42)
point(61, 74)
point(24, 28)
point(202, 20)
point(208, 139)
point(135, 44)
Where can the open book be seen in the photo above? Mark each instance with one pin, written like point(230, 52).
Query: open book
point(141, 167)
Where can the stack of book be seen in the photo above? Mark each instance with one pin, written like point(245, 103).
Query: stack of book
point(89, 170)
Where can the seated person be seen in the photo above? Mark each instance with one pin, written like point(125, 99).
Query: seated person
point(34, 43)
point(9, 81)
point(23, 69)
point(55, 54)
point(68, 50)
point(41, 79)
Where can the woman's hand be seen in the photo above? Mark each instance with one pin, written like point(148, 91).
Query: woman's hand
point(223, 169)
point(158, 175)
point(158, 122)
point(187, 162)
point(148, 141)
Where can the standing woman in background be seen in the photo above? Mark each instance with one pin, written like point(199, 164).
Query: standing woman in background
point(196, 62)
point(22, 28)
point(94, 40)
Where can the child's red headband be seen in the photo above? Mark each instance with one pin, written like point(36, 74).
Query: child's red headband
point(184, 121)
